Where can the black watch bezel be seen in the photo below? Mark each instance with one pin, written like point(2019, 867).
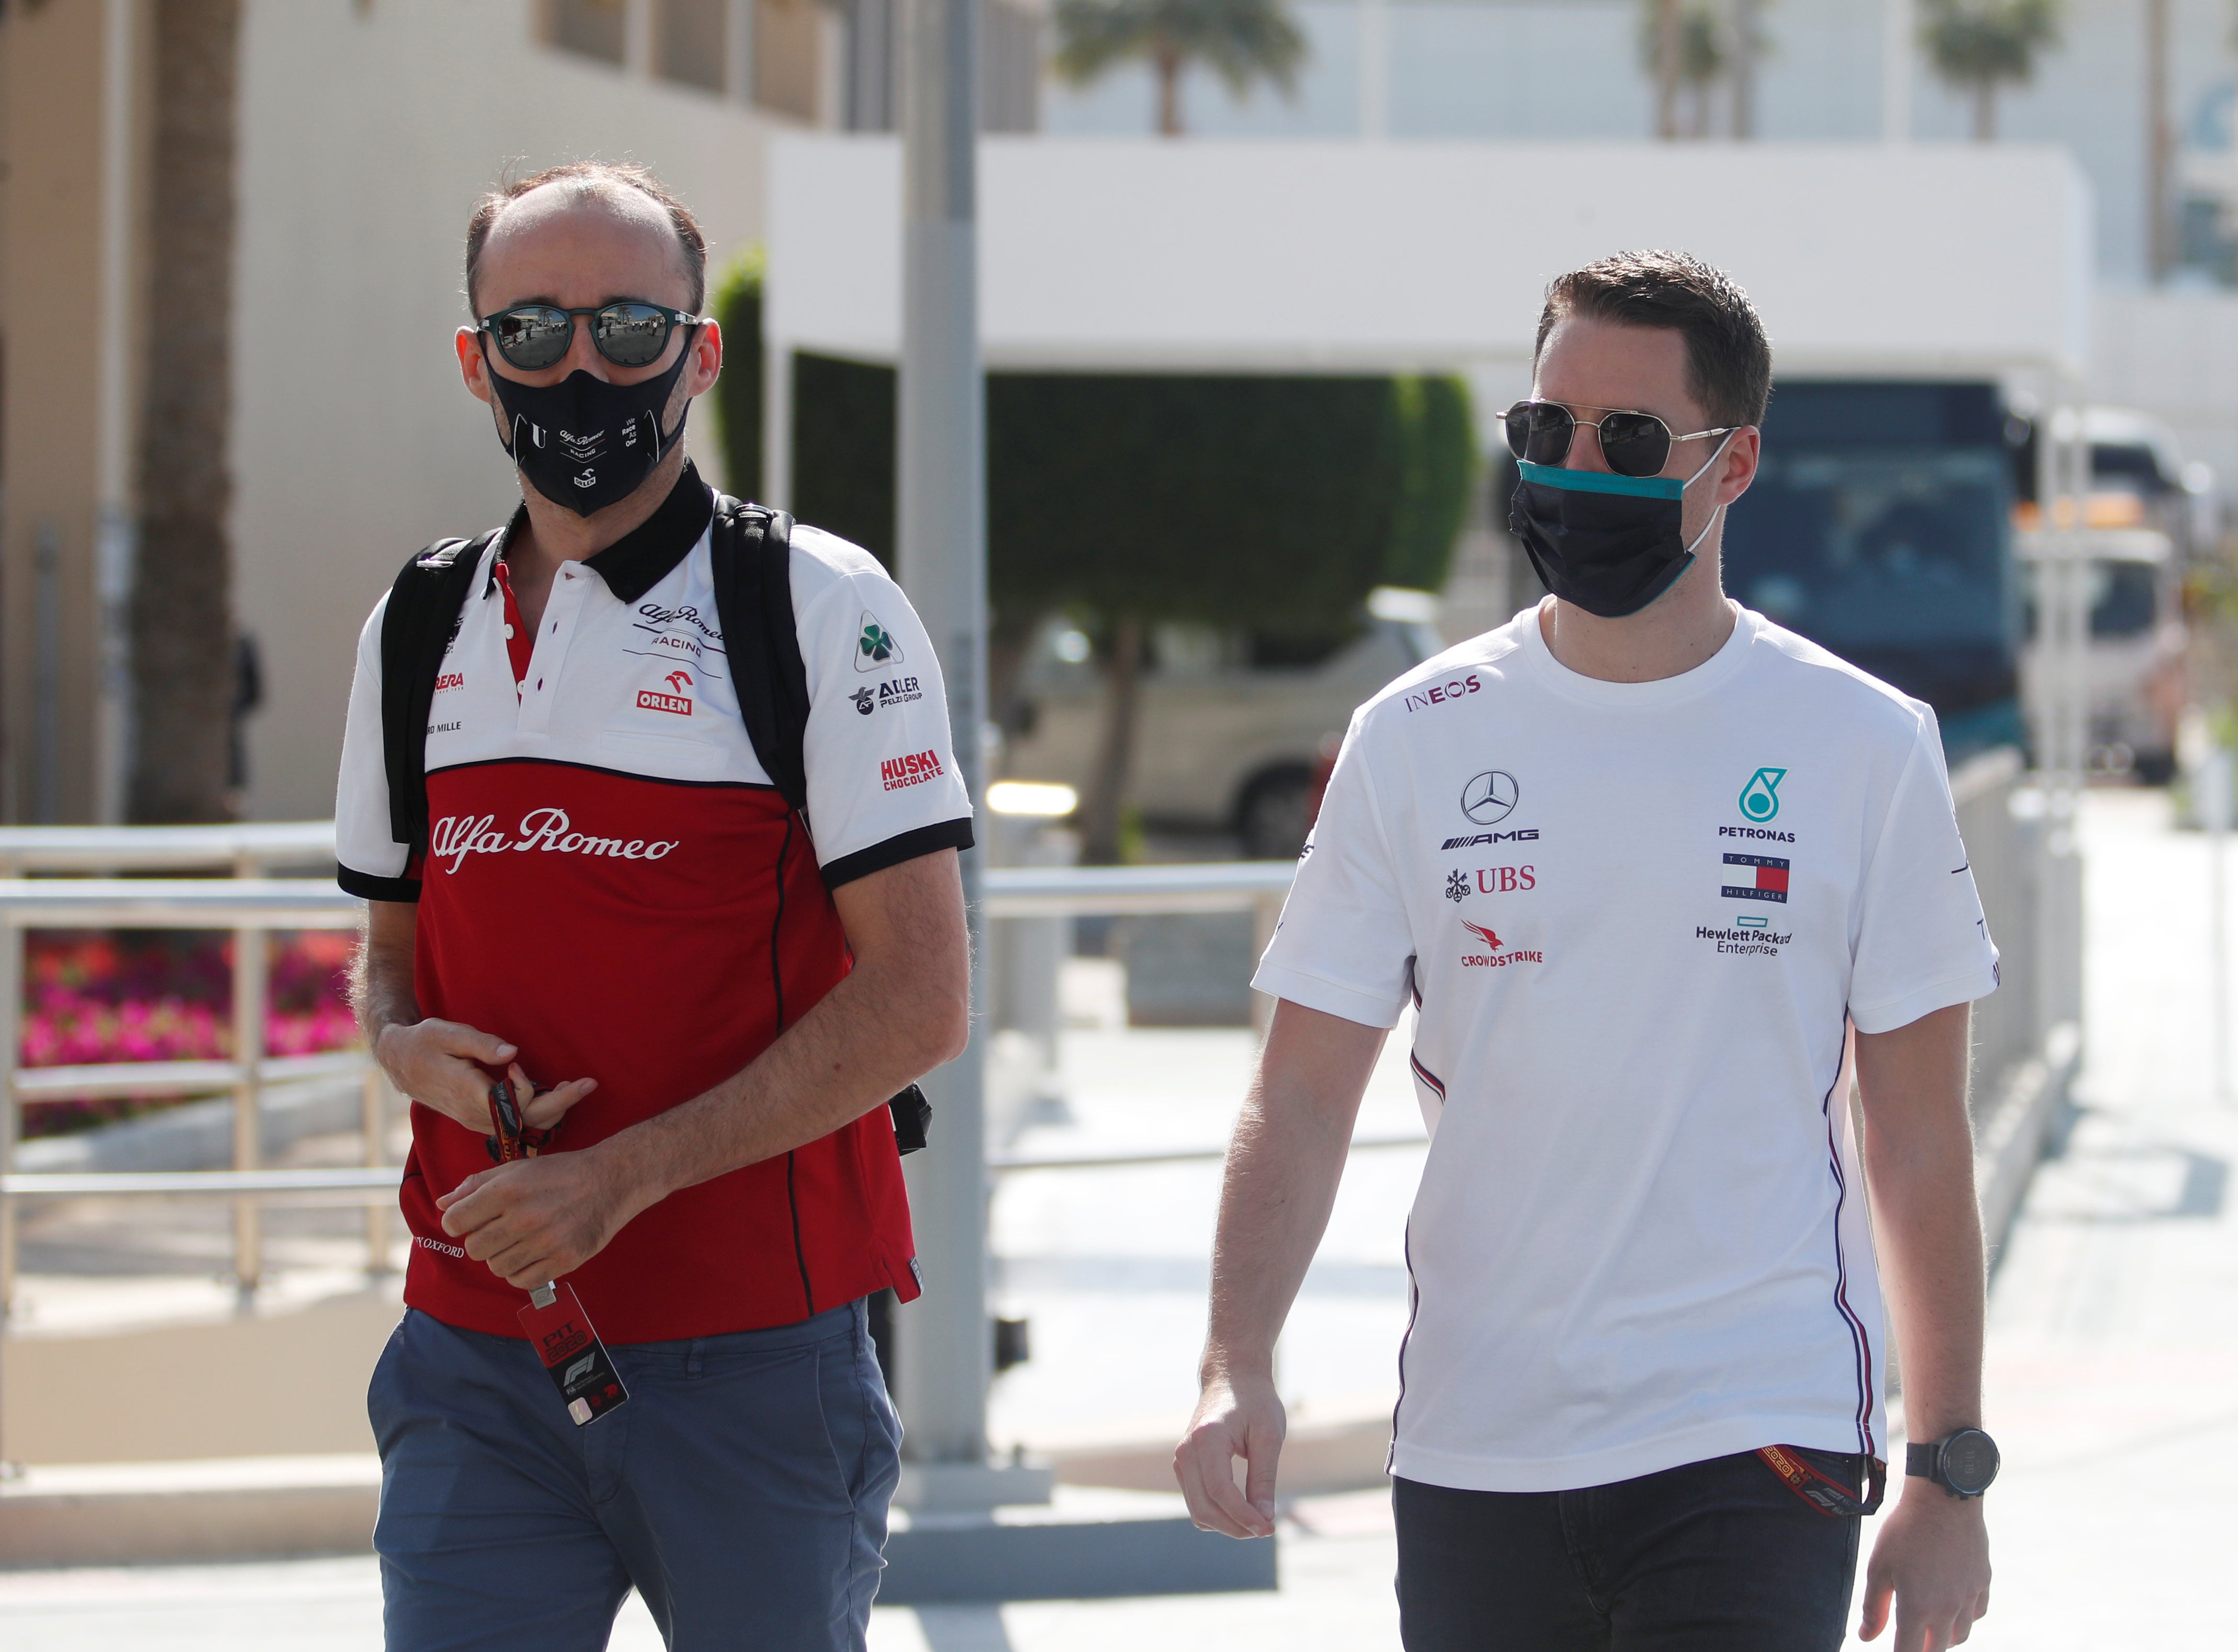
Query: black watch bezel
point(1932, 1460)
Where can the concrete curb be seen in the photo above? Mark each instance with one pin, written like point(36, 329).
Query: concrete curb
point(231, 1509)
point(2011, 1133)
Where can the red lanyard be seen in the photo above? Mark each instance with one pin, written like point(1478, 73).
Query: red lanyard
point(1826, 1495)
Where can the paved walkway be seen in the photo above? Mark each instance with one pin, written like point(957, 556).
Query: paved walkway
point(2113, 1366)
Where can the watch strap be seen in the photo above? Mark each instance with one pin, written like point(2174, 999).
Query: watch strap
point(1919, 1458)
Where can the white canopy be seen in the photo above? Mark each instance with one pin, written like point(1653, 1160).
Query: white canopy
point(1158, 255)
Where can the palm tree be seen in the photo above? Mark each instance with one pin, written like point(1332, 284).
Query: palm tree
point(1688, 47)
point(181, 606)
point(1750, 44)
point(1979, 45)
point(1240, 41)
point(1702, 64)
point(1661, 35)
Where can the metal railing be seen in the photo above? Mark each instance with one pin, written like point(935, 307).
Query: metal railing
point(251, 906)
point(2000, 816)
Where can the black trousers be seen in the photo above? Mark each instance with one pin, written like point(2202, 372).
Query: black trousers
point(1714, 1557)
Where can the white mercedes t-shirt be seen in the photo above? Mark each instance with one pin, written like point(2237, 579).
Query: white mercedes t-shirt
point(1633, 917)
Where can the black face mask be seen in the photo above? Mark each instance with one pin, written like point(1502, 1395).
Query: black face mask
point(584, 443)
point(1611, 544)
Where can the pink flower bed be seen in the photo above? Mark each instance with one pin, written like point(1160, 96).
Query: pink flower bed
point(91, 997)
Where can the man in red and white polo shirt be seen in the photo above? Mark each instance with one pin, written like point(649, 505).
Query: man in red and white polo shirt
point(711, 992)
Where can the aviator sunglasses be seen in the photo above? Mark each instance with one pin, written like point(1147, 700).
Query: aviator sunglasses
point(629, 332)
point(1634, 444)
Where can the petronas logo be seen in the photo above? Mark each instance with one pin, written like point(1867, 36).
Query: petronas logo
point(1760, 797)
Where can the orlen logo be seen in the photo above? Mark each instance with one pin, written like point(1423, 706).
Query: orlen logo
point(450, 680)
point(456, 837)
point(679, 702)
point(1439, 693)
point(912, 770)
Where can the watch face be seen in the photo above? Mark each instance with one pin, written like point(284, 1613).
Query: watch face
point(1969, 1462)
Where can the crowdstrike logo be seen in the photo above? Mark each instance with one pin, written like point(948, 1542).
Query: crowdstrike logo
point(548, 830)
point(1493, 957)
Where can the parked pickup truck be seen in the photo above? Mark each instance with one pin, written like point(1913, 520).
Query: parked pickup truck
point(1221, 743)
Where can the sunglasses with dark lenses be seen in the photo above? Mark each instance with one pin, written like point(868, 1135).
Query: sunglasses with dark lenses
point(1634, 444)
point(629, 333)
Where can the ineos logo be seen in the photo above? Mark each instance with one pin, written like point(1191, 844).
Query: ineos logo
point(1490, 798)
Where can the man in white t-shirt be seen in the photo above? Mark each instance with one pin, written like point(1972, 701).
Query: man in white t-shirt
point(1641, 860)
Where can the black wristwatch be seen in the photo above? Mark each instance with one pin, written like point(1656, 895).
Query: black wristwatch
point(1961, 1464)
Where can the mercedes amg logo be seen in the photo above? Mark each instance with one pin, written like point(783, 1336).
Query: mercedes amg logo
point(1490, 797)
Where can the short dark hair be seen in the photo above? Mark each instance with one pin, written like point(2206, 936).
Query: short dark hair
point(1728, 358)
point(587, 180)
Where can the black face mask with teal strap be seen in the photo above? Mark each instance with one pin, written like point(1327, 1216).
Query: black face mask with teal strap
point(1610, 544)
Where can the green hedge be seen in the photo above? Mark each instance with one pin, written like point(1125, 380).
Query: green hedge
point(738, 311)
point(1270, 503)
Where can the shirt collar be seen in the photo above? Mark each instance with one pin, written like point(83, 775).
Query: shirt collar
point(639, 560)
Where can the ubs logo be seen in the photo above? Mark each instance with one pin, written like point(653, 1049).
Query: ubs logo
point(1490, 797)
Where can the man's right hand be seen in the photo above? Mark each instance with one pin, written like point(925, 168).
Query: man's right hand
point(445, 1065)
point(1236, 1417)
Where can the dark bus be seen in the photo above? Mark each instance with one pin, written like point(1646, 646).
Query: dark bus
point(1880, 526)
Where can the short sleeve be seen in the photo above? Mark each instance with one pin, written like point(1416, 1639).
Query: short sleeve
point(1344, 945)
point(370, 864)
point(1922, 942)
point(882, 781)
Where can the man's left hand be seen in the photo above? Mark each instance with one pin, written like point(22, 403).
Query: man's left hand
point(1933, 1556)
point(537, 1219)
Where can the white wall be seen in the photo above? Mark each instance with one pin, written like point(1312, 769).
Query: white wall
point(1550, 70)
point(366, 133)
point(1295, 255)
point(2175, 354)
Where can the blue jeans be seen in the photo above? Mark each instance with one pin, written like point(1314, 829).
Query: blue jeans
point(1713, 1556)
point(742, 1489)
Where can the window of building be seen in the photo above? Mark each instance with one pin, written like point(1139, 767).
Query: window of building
point(788, 56)
point(689, 46)
point(592, 27)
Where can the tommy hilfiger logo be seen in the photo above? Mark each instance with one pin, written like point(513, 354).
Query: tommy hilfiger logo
point(1767, 883)
point(911, 770)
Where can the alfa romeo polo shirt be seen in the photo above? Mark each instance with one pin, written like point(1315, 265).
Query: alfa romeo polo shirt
point(612, 883)
point(1634, 918)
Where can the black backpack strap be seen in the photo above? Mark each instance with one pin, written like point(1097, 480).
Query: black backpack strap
point(751, 546)
point(423, 612)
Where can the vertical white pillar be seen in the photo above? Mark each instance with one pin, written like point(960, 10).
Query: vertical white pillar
point(637, 37)
point(945, 1351)
point(115, 534)
point(739, 50)
point(1898, 39)
point(1374, 70)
